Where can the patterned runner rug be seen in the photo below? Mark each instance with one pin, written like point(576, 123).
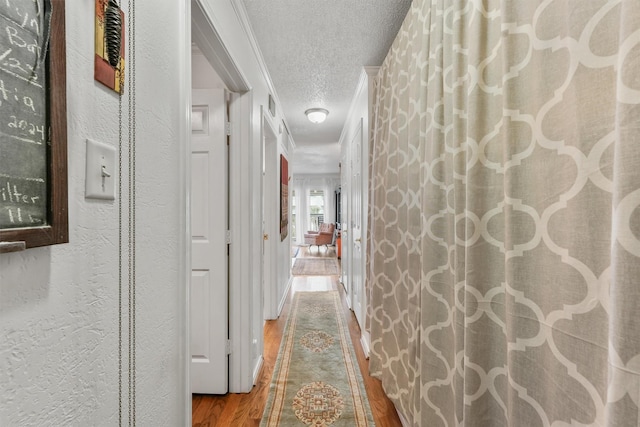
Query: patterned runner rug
point(315, 267)
point(316, 380)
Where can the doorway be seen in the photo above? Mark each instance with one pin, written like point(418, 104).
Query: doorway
point(209, 224)
point(238, 231)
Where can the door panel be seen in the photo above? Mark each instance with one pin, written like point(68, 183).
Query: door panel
point(200, 310)
point(209, 284)
point(199, 205)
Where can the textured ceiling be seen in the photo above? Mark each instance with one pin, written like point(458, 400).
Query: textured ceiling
point(314, 51)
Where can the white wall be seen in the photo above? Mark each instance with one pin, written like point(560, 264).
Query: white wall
point(58, 305)
point(203, 76)
point(284, 247)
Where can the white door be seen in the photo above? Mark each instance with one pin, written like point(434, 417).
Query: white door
point(357, 278)
point(209, 206)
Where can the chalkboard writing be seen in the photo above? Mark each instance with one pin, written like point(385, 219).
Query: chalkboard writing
point(24, 135)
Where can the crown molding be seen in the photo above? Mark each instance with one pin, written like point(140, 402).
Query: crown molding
point(368, 73)
point(243, 18)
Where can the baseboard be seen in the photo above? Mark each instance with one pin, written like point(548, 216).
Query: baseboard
point(347, 297)
point(403, 420)
point(364, 342)
point(284, 296)
point(257, 369)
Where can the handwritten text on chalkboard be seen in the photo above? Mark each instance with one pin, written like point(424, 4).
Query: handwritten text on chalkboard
point(24, 33)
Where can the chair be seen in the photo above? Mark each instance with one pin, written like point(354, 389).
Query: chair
point(324, 236)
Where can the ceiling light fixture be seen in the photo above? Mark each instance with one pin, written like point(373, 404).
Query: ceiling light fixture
point(316, 115)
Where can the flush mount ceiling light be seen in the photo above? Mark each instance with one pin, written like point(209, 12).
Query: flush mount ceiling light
point(316, 115)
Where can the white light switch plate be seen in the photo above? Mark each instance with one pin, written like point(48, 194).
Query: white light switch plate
point(101, 171)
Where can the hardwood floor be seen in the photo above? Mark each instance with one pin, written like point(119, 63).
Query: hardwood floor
point(246, 409)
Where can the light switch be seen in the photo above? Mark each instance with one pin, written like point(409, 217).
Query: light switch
point(101, 171)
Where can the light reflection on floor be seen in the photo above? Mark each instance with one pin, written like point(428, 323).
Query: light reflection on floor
point(313, 283)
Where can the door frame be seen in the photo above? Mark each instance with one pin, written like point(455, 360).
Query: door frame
point(269, 141)
point(198, 18)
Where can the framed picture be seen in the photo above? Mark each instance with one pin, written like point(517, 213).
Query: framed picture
point(284, 197)
point(109, 50)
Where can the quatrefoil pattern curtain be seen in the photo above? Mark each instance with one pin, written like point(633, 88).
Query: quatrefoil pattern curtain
point(504, 265)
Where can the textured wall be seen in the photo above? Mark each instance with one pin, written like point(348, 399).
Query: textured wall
point(58, 305)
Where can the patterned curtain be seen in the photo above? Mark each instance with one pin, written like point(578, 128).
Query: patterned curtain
point(504, 265)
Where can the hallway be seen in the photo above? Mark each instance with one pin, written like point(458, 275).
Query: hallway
point(485, 178)
point(247, 409)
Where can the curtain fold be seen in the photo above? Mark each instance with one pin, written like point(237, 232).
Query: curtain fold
point(329, 201)
point(301, 210)
point(504, 219)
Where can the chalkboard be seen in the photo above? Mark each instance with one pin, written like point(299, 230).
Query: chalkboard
point(33, 205)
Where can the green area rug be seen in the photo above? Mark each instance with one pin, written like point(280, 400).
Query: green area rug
point(317, 379)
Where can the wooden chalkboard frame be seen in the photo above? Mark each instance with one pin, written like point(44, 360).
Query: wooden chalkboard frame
point(57, 230)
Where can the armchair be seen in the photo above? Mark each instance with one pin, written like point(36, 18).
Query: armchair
point(324, 236)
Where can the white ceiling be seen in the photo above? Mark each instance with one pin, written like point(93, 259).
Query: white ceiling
point(314, 51)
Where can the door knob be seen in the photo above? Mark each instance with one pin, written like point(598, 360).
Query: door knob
point(265, 236)
point(358, 240)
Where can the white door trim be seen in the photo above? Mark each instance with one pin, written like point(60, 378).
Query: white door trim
point(269, 139)
point(210, 43)
point(184, 189)
point(242, 241)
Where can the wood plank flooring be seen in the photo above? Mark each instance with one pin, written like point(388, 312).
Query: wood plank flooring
point(246, 409)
